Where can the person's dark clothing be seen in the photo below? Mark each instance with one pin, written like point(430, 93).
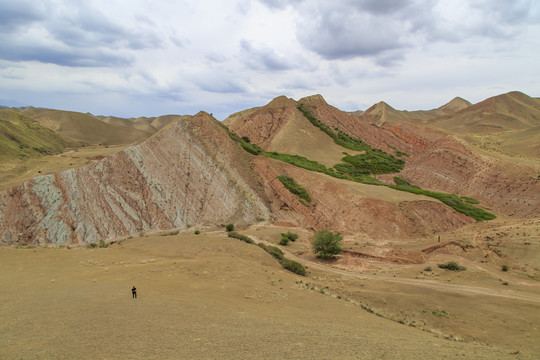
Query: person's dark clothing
point(134, 292)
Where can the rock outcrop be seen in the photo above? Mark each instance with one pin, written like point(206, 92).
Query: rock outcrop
point(189, 173)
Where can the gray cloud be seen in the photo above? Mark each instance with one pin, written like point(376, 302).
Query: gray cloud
point(340, 31)
point(384, 29)
point(264, 58)
point(280, 4)
point(19, 14)
point(64, 56)
point(222, 86)
point(70, 36)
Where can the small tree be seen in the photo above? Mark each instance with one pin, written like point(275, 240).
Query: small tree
point(326, 244)
point(229, 227)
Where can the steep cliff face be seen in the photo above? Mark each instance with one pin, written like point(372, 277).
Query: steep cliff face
point(190, 173)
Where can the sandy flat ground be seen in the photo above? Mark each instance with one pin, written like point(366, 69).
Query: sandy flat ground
point(200, 297)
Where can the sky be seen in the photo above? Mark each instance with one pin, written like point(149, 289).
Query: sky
point(133, 58)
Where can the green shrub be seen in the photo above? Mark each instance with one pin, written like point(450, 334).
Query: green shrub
point(238, 236)
point(372, 161)
point(470, 200)
point(326, 244)
point(452, 265)
point(293, 266)
point(272, 250)
point(229, 227)
point(283, 241)
point(102, 244)
point(428, 269)
point(294, 188)
point(504, 268)
point(196, 232)
point(297, 160)
point(289, 235)
point(92, 245)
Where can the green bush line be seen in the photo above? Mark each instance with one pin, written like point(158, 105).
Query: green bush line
point(340, 138)
point(241, 237)
point(451, 200)
point(294, 187)
point(272, 250)
point(287, 264)
point(470, 200)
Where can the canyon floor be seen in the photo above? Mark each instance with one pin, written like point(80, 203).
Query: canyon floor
point(208, 296)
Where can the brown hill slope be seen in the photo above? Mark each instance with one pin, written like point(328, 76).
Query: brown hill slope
point(189, 173)
point(441, 162)
point(507, 124)
point(381, 112)
point(86, 128)
point(507, 112)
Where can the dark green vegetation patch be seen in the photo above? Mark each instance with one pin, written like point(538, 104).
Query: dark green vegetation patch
point(326, 244)
point(452, 265)
point(294, 187)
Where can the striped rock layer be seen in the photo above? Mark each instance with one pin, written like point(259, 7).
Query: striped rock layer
point(189, 173)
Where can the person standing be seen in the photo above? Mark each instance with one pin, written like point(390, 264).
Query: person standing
point(134, 292)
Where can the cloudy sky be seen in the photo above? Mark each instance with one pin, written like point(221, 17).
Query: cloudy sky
point(152, 57)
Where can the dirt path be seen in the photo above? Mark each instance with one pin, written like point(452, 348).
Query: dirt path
point(432, 284)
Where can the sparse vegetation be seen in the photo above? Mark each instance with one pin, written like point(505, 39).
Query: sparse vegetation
point(289, 235)
point(272, 250)
point(196, 232)
point(428, 269)
point(294, 187)
point(284, 241)
point(504, 268)
point(22, 137)
point(452, 265)
point(102, 244)
point(326, 244)
point(176, 232)
point(229, 227)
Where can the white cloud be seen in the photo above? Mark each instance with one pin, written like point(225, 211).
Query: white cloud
point(132, 58)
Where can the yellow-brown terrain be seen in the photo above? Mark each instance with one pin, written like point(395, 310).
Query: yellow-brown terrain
point(209, 296)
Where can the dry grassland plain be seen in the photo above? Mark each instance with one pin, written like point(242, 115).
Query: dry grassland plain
point(211, 297)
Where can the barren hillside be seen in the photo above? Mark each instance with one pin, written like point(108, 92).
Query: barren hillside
point(188, 173)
